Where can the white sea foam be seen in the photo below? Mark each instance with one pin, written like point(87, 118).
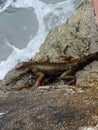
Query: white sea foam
point(5, 5)
point(2, 114)
point(60, 12)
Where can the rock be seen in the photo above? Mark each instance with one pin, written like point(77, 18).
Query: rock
point(78, 33)
point(49, 109)
point(78, 36)
point(17, 80)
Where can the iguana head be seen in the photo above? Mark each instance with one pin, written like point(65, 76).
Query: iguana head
point(23, 66)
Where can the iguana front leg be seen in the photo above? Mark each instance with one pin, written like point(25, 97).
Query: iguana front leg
point(39, 79)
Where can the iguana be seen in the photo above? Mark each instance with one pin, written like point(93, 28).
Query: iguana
point(65, 70)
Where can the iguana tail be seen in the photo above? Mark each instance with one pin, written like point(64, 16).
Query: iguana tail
point(85, 60)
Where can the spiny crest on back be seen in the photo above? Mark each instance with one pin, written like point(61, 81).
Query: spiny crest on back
point(56, 63)
point(24, 65)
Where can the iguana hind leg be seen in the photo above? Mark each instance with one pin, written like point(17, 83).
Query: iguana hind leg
point(68, 78)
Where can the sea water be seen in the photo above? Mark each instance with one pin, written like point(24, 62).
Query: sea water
point(24, 25)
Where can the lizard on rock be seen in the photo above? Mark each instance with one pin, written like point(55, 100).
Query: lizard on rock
point(65, 70)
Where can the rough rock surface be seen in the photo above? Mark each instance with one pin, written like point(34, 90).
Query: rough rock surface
point(49, 109)
point(78, 33)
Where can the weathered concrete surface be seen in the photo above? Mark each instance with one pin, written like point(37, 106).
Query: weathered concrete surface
point(49, 109)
